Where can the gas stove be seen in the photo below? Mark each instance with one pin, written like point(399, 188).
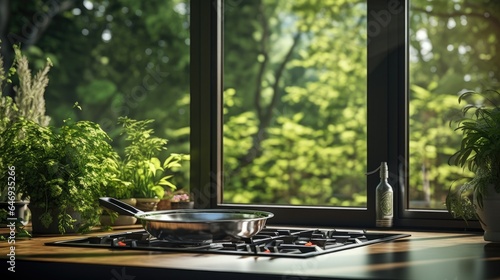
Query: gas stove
point(273, 242)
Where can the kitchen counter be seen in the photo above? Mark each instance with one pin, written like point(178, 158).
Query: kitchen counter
point(424, 255)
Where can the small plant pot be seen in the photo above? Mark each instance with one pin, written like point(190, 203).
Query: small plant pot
point(182, 205)
point(147, 204)
point(164, 204)
point(489, 215)
point(21, 210)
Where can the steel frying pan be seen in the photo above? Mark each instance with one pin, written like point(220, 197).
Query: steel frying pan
point(194, 225)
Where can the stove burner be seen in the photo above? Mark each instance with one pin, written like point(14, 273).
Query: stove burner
point(269, 242)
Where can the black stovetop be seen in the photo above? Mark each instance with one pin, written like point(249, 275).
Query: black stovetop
point(272, 242)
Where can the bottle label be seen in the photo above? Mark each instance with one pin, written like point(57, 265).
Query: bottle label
point(384, 223)
point(386, 204)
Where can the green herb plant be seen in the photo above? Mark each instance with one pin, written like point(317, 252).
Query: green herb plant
point(60, 169)
point(479, 153)
point(116, 187)
point(141, 167)
point(29, 101)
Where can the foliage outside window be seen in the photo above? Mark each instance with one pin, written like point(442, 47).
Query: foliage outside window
point(295, 103)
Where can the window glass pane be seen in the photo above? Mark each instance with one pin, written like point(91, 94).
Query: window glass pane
point(453, 47)
point(295, 102)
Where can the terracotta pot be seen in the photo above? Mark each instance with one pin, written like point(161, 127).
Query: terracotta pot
point(164, 204)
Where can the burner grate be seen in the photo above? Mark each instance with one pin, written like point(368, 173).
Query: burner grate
point(269, 242)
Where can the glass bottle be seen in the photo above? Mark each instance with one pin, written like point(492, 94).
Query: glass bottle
point(384, 199)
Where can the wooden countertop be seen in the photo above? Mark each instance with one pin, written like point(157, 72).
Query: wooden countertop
point(424, 255)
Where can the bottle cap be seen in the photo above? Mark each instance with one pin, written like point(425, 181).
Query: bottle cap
point(384, 170)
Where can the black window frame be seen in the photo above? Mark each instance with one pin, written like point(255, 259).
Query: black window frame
point(388, 134)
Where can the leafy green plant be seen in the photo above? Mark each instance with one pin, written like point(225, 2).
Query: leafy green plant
point(7, 106)
point(60, 169)
point(479, 153)
point(142, 167)
point(29, 101)
point(30, 90)
point(116, 187)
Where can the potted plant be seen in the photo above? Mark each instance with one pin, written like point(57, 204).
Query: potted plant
point(121, 190)
point(148, 175)
point(28, 103)
point(479, 153)
point(61, 170)
point(181, 200)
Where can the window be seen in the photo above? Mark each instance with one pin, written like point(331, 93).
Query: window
point(388, 114)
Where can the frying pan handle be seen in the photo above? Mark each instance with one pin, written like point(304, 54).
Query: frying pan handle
point(118, 206)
